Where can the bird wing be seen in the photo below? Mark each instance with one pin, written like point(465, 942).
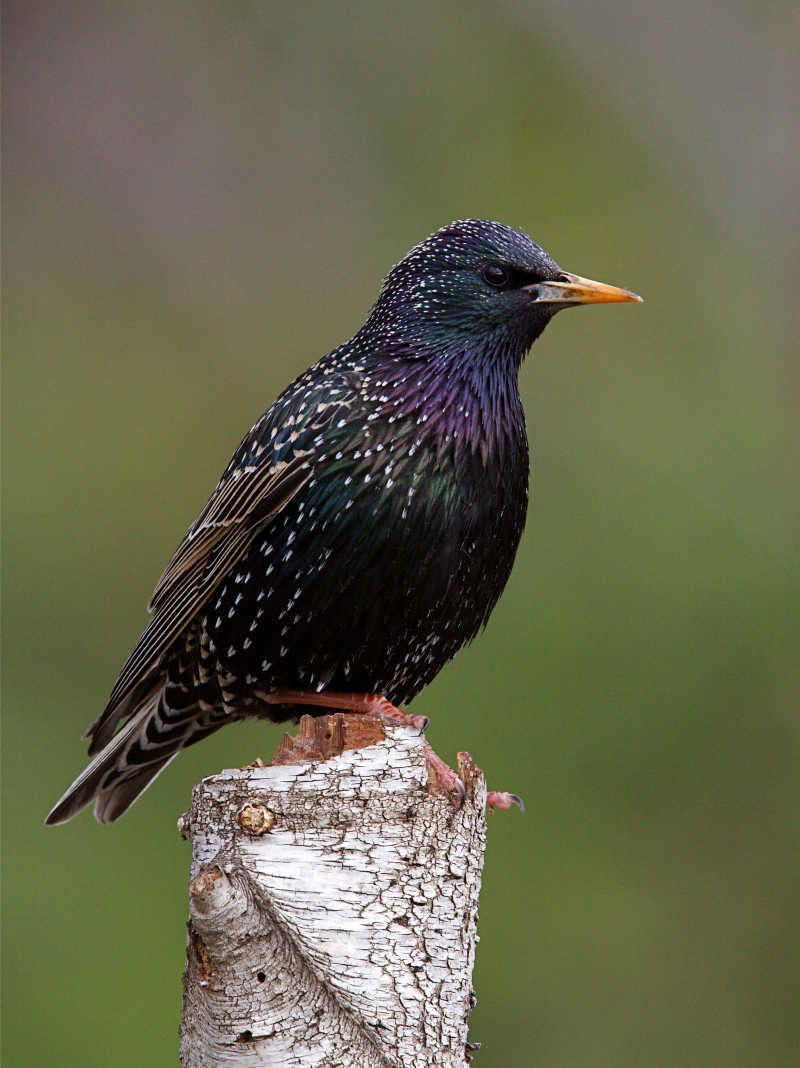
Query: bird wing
point(242, 505)
point(245, 500)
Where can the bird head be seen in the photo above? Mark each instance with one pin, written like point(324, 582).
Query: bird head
point(477, 285)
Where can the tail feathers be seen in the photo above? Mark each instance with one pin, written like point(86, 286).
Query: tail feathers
point(130, 761)
point(110, 804)
point(102, 730)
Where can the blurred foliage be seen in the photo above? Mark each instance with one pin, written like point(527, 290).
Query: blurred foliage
point(199, 202)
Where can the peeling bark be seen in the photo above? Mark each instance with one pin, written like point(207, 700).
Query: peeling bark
point(333, 906)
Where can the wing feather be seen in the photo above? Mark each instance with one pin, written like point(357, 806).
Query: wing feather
point(241, 507)
point(243, 496)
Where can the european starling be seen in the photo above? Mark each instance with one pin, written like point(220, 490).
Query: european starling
point(364, 528)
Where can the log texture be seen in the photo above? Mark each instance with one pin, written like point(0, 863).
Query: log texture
point(333, 906)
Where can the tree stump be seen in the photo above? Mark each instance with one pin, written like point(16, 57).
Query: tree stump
point(333, 905)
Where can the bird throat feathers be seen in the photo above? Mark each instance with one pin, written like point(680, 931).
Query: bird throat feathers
point(459, 399)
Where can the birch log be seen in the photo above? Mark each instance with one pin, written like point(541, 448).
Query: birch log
point(333, 906)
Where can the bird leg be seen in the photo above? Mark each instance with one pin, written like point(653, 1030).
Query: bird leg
point(370, 703)
point(376, 705)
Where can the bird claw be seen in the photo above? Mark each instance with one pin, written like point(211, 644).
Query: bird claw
point(445, 778)
point(457, 794)
point(451, 784)
point(500, 799)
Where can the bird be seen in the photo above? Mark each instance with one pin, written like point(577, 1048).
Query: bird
point(364, 528)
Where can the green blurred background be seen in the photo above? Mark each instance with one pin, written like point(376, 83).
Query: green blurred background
point(199, 201)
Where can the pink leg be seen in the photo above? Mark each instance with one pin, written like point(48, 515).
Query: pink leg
point(374, 704)
point(371, 703)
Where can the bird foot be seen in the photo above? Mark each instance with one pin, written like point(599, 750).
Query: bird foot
point(376, 705)
point(451, 784)
point(500, 799)
point(445, 778)
point(369, 703)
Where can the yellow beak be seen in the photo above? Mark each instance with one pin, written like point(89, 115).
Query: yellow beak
point(577, 290)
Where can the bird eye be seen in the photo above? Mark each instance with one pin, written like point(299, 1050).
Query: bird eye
point(496, 276)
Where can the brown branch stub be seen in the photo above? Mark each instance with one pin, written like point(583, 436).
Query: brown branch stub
point(346, 935)
point(204, 889)
point(469, 773)
point(322, 737)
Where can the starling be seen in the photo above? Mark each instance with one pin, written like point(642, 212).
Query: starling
point(364, 528)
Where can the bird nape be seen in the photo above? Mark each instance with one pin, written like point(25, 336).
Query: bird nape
point(364, 528)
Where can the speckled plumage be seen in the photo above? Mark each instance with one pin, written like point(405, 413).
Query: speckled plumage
point(364, 528)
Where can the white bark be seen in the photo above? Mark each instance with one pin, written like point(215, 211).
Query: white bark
point(333, 911)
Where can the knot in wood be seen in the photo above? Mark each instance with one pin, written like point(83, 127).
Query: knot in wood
point(205, 882)
point(255, 819)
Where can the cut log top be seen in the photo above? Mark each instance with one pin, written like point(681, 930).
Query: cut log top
point(333, 905)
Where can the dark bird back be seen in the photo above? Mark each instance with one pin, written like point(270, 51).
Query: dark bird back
point(366, 525)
